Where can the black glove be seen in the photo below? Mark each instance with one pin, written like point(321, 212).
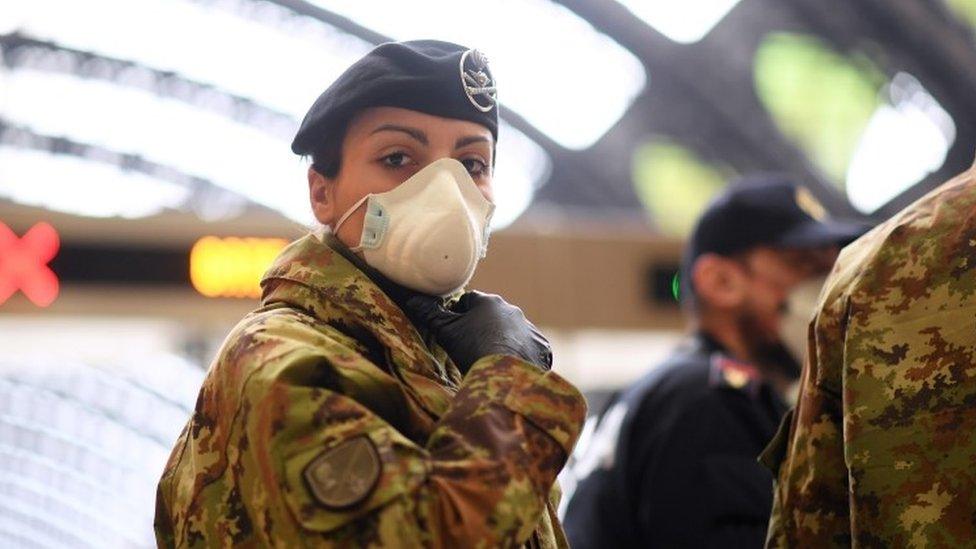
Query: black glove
point(479, 325)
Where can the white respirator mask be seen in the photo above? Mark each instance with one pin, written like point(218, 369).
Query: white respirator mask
point(429, 233)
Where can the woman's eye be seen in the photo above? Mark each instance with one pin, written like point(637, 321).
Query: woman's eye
point(475, 166)
point(396, 160)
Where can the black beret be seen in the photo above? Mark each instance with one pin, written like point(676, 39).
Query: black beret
point(430, 76)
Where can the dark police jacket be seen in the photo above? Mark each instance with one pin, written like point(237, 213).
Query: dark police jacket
point(672, 461)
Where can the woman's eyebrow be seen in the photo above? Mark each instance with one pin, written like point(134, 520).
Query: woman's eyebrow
point(412, 132)
point(465, 141)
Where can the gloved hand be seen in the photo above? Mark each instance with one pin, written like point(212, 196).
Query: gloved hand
point(478, 325)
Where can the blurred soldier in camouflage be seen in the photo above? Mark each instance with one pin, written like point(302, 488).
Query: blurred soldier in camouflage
point(369, 401)
point(881, 448)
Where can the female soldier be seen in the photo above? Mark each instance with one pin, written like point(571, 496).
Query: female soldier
point(368, 401)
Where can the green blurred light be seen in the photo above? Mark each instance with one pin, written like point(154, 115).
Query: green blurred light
point(818, 97)
point(676, 286)
point(673, 184)
point(965, 9)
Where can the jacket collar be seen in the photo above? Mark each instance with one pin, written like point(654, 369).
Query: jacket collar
point(313, 274)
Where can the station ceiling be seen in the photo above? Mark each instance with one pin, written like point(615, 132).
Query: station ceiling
point(617, 110)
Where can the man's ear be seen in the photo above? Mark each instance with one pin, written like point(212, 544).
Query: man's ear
point(719, 281)
point(321, 192)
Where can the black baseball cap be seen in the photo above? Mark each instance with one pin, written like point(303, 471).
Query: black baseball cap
point(764, 210)
point(429, 76)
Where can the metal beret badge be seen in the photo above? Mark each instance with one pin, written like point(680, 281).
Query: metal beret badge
point(476, 80)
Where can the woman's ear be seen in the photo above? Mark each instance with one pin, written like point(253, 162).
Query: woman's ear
point(719, 281)
point(321, 192)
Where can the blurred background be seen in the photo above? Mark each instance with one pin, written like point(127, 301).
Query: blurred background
point(146, 183)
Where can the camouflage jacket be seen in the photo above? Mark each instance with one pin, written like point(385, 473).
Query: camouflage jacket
point(326, 420)
point(881, 449)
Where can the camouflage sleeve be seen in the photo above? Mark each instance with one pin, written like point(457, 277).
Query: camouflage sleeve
point(882, 447)
point(311, 465)
point(810, 495)
point(481, 480)
point(810, 505)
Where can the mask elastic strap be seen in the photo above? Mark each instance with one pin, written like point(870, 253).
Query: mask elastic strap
point(349, 212)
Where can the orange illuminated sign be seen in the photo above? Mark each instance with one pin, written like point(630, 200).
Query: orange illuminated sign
point(232, 267)
point(23, 264)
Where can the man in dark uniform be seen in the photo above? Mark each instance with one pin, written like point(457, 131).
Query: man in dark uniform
point(672, 460)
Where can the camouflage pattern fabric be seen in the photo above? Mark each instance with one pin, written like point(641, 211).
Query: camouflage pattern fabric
point(881, 449)
point(326, 420)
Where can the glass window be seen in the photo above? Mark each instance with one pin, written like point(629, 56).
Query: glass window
point(819, 98)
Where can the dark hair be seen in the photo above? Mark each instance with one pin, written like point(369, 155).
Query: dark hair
point(327, 159)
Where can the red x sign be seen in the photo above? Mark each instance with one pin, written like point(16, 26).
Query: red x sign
point(23, 264)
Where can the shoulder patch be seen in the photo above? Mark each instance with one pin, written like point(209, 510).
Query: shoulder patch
point(344, 476)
